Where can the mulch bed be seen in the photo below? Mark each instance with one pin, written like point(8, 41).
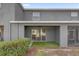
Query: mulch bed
point(32, 51)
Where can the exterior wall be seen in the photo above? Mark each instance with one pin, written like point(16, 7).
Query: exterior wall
point(57, 33)
point(17, 31)
point(6, 15)
point(21, 31)
point(52, 34)
point(10, 12)
point(51, 15)
point(14, 31)
point(63, 35)
point(28, 16)
point(19, 14)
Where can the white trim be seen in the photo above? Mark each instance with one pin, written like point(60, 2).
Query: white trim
point(36, 14)
point(50, 9)
point(74, 14)
point(46, 22)
point(45, 36)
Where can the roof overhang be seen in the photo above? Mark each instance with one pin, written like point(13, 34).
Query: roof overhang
point(51, 9)
point(44, 22)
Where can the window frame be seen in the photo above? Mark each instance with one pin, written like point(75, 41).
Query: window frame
point(36, 14)
point(74, 32)
point(40, 34)
point(74, 14)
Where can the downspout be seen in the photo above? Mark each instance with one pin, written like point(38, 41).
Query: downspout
point(10, 31)
point(18, 31)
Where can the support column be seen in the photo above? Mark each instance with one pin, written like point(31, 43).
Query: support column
point(6, 34)
point(63, 35)
point(21, 31)
point(13, 31)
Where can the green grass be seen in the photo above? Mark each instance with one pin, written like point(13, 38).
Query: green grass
point(51, 44)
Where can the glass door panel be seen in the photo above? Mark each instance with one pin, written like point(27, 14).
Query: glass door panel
point(33, 34)
point(38, 34)
point(71, 36)
point(77, 39)
point(43, 34)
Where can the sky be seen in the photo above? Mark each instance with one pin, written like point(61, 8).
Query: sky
point(51, 5)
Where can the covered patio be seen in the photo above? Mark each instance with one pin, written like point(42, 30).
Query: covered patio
point(42, 33)
point(55, 30)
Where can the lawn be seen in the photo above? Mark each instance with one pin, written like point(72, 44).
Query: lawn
point(47, 49)
point(37, 48)
point(51, 44)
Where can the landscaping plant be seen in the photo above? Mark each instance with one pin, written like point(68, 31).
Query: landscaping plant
point(14, 47)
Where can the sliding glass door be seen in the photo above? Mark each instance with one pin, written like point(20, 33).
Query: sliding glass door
point(77, 35)
point(38, 34)
point(73, 36)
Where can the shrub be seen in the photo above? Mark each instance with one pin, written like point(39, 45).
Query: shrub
point(14, 47)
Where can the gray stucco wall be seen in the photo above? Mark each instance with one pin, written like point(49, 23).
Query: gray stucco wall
point(17, 31)
point(6, 15)
point(21, 31)
point(63, 35)
point(19, 14)
point(10, 12)
point(50, 32)
point(14, 31)
point(28, 16)
point(51, 15)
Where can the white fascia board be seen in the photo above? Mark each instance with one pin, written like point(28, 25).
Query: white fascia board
point(50, 22)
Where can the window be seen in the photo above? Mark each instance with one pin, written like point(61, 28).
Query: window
point(36, 14)
point(74, 14)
